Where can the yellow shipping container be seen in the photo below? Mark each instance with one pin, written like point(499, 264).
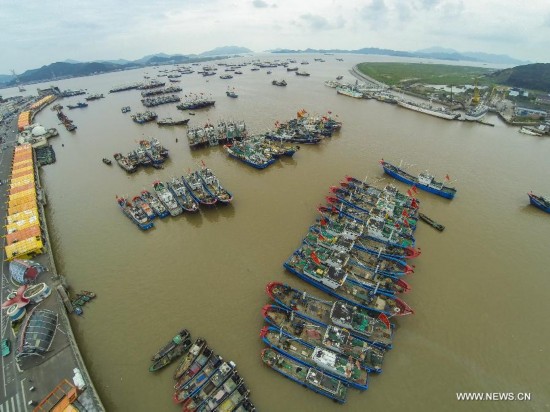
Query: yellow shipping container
point(21, 201)
point(23, 215)
point(24, 248)
point(22, 207)
point(30, 192)
point(22, 224)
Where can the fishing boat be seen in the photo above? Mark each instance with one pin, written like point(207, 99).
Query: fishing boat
point(182, 195)
point(125, 163)
point(249, 155)
point(301, 73)
point(529, 131)
point(167, 198)
point(331, 337)
point(141, 157)
point(143, 205)
point(195, 384)
point(195, 368)
point(155, 203)
point(79, 105)
point(359, 322)
point(244, 406)
point(213, 186)
point(225, 371)
point(424, 181)
point(539, 201)
point(432, 222)
point(349, 91)
point(477, 113)
point(198, 346)
point(334, 364)
point(125, 109)
point(168, 121)
point(106, 161)
point(230, 403)
point(279, 83)
point(231, 93)
point(179, 345)
point(193, 182)
point(310, 377)
point(136, 215)
point(221, 394)
point(351, 289)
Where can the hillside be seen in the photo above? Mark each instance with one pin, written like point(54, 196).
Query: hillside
point(530, 76)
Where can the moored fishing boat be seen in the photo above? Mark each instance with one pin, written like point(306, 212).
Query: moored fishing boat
point(143, 205)
point(348, 288)
point(278, 83)
point(190, 357)
point(440, 112)
point(124, 163)
point(432, 222)
point(311, 377)
point(539, 201)
point(336, 365)
point(332, 337)
point(182, 195)
point(167, 198)
point(107, 161)
point(249, 155)
point(168, 121)
point(244, 406)
point(136, 215)
point(155, 203)
point(179, 345)
point(224, 391)
point(213, 186)
point(196, 188)
point(230, 403)
point(195, 384)
point(359, 322)
point(424, 181)
point(195, 368)
point(225, 371)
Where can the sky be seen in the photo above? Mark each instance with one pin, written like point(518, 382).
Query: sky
point(38, 32)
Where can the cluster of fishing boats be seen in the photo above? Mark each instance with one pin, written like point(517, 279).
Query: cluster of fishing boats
point(213, 135)
point(358, 252)
point(154, 92)
point(204, 380)
point(158, 100)
point(304, 129)
point(147, 116)
point(258, 151)
point(149, 153)
point(194, 189)
point(196, 101)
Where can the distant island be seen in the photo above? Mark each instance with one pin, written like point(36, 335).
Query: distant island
point(72, 68)
point(437, 53)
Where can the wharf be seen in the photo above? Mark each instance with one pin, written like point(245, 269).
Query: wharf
point(26, 382)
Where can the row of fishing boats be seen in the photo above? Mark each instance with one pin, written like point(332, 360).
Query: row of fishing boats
point(145, 117)
point(359, 252)
point(304, 128)
point(196, 188)
point(258, 151)
point(68, 123)
point(149, 153)
point(204, 380)
point(195, 102)
point(214, 134)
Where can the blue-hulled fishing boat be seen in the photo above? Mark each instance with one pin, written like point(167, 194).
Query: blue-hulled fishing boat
point(213, 186)
point(196, 188)
point(310, 377)
point(334, 364)
point(539, 201)
point(424, 181)
point(135, 214)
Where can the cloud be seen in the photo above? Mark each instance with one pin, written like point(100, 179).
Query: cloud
point(260, 4)
point(316, 22)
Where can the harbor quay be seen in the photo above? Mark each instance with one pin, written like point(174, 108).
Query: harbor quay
point(57, 376)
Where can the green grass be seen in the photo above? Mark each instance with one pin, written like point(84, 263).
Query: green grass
point(440, 74)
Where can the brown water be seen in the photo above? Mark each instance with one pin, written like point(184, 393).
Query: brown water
point(479, 291)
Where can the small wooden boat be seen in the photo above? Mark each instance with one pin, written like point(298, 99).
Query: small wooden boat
point(195, 368)
point(244, 406)
point(176, 340)
point(193, 353)
point(107, 161)
point(311, 378)
point(431, 222)
point(178, 346)
point(539, 201)
point(231, 402)
point(222, 393)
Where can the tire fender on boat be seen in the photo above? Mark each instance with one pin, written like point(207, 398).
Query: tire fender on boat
point(396, 310)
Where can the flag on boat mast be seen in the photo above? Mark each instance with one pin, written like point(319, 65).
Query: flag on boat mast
point(447, 177)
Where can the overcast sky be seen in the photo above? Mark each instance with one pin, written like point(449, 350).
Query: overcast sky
point(40, 32)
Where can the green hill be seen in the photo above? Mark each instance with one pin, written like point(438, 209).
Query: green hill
point(530, 76)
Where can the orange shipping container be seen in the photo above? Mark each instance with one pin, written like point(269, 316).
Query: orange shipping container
point(33, 231)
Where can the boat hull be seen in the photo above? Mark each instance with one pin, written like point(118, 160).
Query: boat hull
point(389, 170)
